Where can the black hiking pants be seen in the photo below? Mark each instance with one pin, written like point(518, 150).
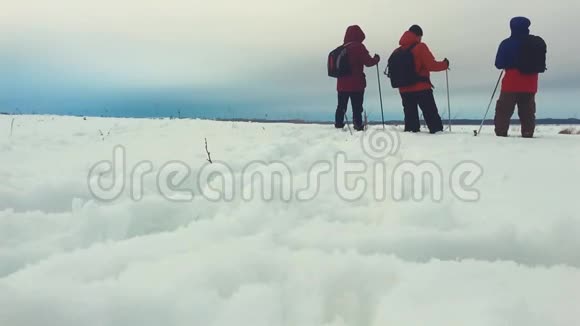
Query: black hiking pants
point(426, 101)
point(356, 100)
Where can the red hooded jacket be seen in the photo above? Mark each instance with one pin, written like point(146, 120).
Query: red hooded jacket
point(359, 57)
point(425, 62)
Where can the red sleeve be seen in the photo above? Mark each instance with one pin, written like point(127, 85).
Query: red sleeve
point(428, 59)
point(366, 58)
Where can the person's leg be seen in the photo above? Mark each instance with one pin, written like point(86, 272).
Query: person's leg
point(504, 110)
point(411, 112)
point(341, 110)
point(357, 99)
point(527, 113)
point(430, 113)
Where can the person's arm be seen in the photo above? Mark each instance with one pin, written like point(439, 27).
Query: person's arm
point(366, 57)
point(428, 59)
point(501, 59)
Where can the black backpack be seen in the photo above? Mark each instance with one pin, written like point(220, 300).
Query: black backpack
point(532, 55)
point(339, 63)
point(401, 68)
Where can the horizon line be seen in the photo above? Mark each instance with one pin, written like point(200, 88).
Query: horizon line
point(544, 121)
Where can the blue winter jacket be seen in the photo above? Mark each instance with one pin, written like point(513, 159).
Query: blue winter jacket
point(508, 49)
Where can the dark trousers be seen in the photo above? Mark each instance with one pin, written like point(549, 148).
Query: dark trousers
point(505, 108)
point(426, 101)
point(356, 99)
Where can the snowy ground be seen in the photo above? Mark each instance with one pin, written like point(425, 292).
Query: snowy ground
point(512, 257)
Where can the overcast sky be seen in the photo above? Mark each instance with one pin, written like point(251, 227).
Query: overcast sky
point(252, 58)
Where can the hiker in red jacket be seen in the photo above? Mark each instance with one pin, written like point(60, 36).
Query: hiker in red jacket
point(420, 91)
point(353, 86)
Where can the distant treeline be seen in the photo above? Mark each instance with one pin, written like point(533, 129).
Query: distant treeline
point(458, 122)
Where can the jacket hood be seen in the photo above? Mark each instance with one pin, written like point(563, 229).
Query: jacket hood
point(408, 39)
point(520, 26)
point(354, 34)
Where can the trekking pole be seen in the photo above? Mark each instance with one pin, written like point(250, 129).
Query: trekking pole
point(347, 124)
point(366, 122)
point(477, 132)
point(381, 96)
point(448, 100)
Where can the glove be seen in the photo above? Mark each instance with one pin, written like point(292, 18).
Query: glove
point(447, 62)
point(377, 57)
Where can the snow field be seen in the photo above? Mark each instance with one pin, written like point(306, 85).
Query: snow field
point(510, 258)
